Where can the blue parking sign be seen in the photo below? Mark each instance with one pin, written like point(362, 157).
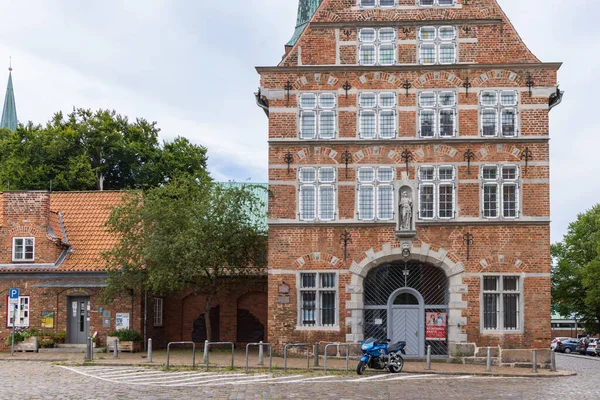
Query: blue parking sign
point(13, 293)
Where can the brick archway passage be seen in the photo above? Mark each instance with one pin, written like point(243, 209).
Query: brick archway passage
point(453, 271)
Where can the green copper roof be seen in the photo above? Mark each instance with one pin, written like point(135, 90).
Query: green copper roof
point(9, 114)
point(306, 10)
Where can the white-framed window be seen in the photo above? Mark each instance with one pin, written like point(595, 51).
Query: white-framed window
point(375, 193)
point(318, 116)
point(500, 191)
point(437, 192)
point(437, 45)
point(437, 114)
point(377, 115)
point(377, 46)
point(22, 310)
point(436, 3)
point(501, 300)
point(23, 249)
point(318, 299)
point(317, 193)
point(376, 3)
point(158, 312)
point(499, 113)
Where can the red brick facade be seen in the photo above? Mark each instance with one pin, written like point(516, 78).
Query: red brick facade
point(490, 56)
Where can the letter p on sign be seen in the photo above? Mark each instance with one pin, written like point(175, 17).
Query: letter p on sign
point(13, 293)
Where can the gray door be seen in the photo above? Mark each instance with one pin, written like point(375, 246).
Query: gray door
point(406, 328)
point(78, 319)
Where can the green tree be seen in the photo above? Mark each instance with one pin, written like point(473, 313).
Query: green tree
point(191, 236)
point(576, 270)
point(94, 150)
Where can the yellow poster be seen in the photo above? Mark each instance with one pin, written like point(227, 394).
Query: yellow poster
point(47, 319)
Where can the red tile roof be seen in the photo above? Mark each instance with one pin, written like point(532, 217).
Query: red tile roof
point(84, 215)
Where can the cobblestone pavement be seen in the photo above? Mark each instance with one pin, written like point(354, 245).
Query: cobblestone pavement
point(37, 380)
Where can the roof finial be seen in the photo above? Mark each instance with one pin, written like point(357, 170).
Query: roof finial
point(10, 63)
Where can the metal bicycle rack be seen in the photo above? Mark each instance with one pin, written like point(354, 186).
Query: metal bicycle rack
point(285, 348)
point(337, 345)
point(207, 353)
point(260, 344)
point(193, 352)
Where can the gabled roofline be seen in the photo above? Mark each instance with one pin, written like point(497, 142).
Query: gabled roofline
point(416, 22)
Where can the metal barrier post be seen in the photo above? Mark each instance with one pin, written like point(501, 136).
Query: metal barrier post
point(260, 344)
point(337, 346)
point(149, 357)
point(534, 362)
point(488, 366)
point(205, 359)
point(428, 363)
point(316, 351)
point(193, 352)
point(87, 349)
point(261, 354)
point(116, 348)
point(552, 361)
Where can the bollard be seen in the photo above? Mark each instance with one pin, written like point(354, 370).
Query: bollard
point(261, 354)
point(91, 347)
point(116, 348)
point(552, 361)
point(534, 362)
point(205, 360)
point(149, 357)
point(488, 365)
point(428, 364)
point(87, 349)
point(316, 361)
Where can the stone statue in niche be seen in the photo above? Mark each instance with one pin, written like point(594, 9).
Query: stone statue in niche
point(406, 211)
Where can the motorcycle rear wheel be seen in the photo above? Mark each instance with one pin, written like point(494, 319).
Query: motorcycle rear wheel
point(361, 367)
point(397, 365)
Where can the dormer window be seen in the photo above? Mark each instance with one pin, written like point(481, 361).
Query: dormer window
point(377, 3)
point(436, 3)
point(23, 249)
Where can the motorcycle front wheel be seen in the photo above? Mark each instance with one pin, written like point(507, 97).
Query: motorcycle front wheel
point(396, 364)
point(361, 367)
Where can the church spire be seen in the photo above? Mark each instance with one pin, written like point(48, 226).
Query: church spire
point(9, 113)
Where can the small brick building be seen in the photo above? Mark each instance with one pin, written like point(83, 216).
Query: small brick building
point(409, 172)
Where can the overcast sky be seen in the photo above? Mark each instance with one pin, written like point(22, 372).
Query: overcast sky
point(189, 64)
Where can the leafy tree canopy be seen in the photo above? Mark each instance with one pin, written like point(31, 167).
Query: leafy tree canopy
point(576, 270)
point(190, 236)
point(93, 150)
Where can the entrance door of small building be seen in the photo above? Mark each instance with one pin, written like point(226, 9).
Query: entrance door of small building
point(78, 321)
point(406, 329)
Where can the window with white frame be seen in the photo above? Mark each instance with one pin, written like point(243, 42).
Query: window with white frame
point(501, 303)
point(317, 193)
point(433, 3)
point(437, 192)
point(498, 110)
point(318, 117)
point(21, 306)
point(437, 45)
point(376, 3)
point(318, 299)
point(377, 46)
point(437, 114)
point(375, 193)
point(23, 249)
point(500, 191)
point(158, 312)
point(377, 115)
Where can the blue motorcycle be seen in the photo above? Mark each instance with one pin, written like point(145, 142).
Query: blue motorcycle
point(381, 356)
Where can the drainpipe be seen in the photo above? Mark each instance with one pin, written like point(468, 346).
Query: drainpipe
point(145, 318)
point(262, 102)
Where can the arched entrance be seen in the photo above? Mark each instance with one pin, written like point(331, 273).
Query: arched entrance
point(408, 301)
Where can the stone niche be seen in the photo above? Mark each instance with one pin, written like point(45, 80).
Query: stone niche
point(407, 211)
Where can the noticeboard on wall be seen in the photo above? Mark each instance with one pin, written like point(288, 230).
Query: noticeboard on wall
point(47, 319)
point(122, 321)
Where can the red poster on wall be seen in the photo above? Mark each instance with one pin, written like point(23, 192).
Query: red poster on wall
point(436, 325)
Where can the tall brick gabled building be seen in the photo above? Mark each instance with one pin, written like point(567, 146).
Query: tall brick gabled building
point(409, 171)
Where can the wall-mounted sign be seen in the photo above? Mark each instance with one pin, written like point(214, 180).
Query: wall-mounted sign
point(122, 321)
point(47, 319)
point(284, 289)
point(283, 299)
point(436, 327)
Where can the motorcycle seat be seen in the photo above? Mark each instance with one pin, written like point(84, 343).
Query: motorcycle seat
point(394, 347)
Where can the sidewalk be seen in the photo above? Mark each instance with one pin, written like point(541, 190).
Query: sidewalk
point(222, 359)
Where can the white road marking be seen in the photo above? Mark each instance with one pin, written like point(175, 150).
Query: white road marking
point(270, 380)
point(170, 375)
point(229, 378)
point(409, 377)
point(366, 379)
point(307, 379)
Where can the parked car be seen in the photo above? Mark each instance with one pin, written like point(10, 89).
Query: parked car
point(591, 350)
point(567, 346)
point(555, 341)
